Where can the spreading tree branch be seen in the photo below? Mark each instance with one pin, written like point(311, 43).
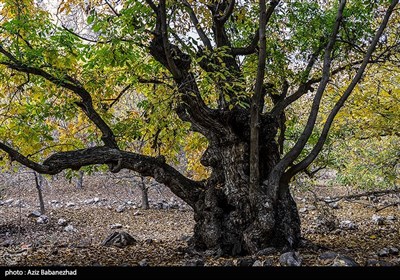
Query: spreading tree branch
point(147, 166)
point(339, 104)
point(298, 147)
point(206, 41)
point(71, 84)
point(252, 47)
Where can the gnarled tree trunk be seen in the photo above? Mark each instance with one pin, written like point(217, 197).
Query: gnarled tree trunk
point(231, 221)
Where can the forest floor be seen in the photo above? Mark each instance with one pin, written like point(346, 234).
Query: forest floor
point(350, 228)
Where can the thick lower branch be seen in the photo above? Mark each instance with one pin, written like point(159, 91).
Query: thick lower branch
point(154, 167)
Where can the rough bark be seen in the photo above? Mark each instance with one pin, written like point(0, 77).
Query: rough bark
point(228, 220)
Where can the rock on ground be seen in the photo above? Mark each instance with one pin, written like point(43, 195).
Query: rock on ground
point(290, 259)
point(119, 239)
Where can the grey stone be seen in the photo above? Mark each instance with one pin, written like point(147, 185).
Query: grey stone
point(148, 241)
point(143, 263)
point(303, 210)
point(328, 255)
point(342, 260)
point(69, 228)
point(184, 238)
point(290, 259)
point(379, 220)
point(8, 201)
point(245, 262)
point(89, 201)
point(393, 250)
point(70, 204)
point(194, 262)
point(266, 251)
point(258, 263)
point(334, 205)
point(129, 202)
point(116, 226)
point(62, 222)
point(43, 219)
point(137, 213)
point(96, 199)
point(120, 208)
point(311, 207)
point(119, 239)
point(7, 243)
point(348, 225)
point(391, 218)
point(383, 252)
point(34, 214)
point(54, 202)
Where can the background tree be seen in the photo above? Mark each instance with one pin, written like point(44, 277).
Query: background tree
point(223, 69)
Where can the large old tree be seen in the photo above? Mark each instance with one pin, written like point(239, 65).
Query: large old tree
point(231, 69)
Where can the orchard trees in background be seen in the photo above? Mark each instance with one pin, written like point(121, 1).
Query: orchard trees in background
point(184, 75)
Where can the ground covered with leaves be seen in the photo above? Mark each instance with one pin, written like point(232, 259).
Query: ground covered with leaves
point(364, 231)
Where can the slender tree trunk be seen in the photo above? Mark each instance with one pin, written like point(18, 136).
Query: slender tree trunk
point(39, 184)
point(145, 194)
point(79, 181)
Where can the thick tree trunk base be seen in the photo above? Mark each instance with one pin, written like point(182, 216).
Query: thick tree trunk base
point(226, 227)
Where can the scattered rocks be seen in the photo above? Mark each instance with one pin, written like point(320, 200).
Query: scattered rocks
point(266, 251)
point(137, 213)
point(42, 219)
point(290, 259)
point(194, 262)
point(54, 202)
point(34, 214)
point(348, 225)
point(383, 252)
point(120, 209)
point(376, 219)
point(70, 228)
point(116, 226)
point(62, 222)
point(391, 218)
point(119, 239)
